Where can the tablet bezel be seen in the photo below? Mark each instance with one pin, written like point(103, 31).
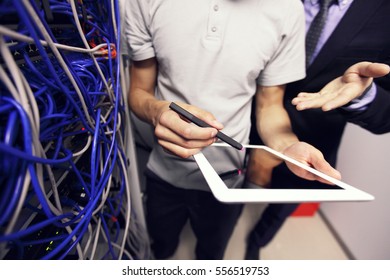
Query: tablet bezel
point(227, 195)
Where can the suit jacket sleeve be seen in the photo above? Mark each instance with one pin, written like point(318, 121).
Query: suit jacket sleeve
point(376, 118)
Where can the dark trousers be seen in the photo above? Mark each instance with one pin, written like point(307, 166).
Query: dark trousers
point(270, 222)
point(167, 210)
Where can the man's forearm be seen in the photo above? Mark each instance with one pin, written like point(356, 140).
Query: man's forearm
point(275, 130)
point(142, 101)
point(273, 122)
point(145, 106)
point(274, 127)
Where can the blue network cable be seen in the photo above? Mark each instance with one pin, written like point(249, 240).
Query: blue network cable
point(64, 131)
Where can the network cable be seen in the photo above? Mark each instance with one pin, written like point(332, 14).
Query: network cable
point(63, 167)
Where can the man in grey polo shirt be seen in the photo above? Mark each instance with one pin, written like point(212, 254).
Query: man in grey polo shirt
point(215, 55)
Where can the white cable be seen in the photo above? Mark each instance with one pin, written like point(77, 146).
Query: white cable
point(128, 201)
point(39, 149)
point(84, 39)
point(18, 209)
point(78, 246)
point(61, 61)
point(23, 38)
point(8, 83)
point(105, 195)
point(32, 102)
point(118, 126)
point(87, 145)
point(117, 246)
point(27, 99)
point(33, 112)
point(89, 241)
point(124, 251)
point(95, 242)
point(113, 16)
point(28, 102)
point(48, 146)
point(15, 73)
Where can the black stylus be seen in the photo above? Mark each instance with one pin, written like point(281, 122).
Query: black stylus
point(201, 123)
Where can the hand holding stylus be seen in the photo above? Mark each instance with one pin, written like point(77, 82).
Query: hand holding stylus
point(190, 117)
point(179, 136)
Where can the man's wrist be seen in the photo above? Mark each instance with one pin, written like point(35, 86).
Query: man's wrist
point(360, 103)
point(157, 108)
point(288, 143)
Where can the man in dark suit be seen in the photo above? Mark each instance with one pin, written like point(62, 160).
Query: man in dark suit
point(362, 34)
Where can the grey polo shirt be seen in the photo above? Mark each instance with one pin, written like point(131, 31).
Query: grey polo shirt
point(213, 54)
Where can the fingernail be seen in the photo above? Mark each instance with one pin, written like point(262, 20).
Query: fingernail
point(326, 109)
point(213, 133)
point(216, 123)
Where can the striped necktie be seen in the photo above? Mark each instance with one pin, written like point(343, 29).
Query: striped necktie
point(315, 30)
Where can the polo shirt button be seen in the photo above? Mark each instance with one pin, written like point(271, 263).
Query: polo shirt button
point(216, 8)
point(214, 29)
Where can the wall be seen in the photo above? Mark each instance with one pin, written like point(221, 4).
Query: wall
point(364, 227)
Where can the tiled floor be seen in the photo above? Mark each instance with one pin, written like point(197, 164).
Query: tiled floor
point(300, 238)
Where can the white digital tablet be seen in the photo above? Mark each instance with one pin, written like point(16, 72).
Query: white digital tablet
point(343, 191)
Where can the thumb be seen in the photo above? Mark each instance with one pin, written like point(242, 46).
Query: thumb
point(319, 163)
point(376, 70)
point(205, 116)
point(370, 70)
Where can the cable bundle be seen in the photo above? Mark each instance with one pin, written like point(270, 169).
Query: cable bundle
point(64, 190)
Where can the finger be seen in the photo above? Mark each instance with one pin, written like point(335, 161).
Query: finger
point(185, 130)
point(303, 96)
point(312, 157)
point(319, 163)
point(301, 103)
point(317, 102)
point(177, 150)
point(324, 168)
point(301, 152)
point(308, 94)
point(301, 172)
point(168, 135)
